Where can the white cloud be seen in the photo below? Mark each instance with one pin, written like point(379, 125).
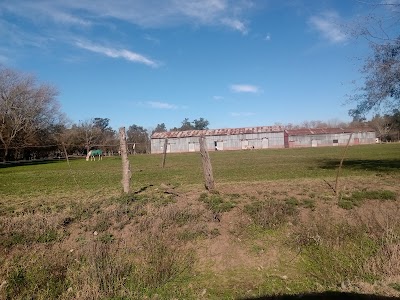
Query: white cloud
point(391, 5)
point(328, 25)
point(45, 11)
point(267, 37)
point(204, 11)
point(245, 88)
point(116, 53)
point(61, 17)
point(161, 105)
point(152, 39)
point(143, 13)
point(218, 97)
point(235, 24)
point(242, 114)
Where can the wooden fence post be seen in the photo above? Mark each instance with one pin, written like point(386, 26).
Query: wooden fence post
point(340, 165)
point(165, 152)
point(126, 168)
point(207, 168)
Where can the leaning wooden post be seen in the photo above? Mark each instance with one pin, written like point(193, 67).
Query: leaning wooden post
point(126, 168)
point(341, 164)
point(165, 153)
point(207, 168)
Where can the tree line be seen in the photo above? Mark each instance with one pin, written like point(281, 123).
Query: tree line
point(32, 124)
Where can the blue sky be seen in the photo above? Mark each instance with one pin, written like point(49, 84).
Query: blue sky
point(236, 63)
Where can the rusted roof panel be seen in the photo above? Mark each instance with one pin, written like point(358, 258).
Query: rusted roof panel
point(210, 132)
point(315, 131)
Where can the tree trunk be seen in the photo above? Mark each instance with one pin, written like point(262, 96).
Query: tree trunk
point(5, 153)
point(126, 168)
point(207, 168)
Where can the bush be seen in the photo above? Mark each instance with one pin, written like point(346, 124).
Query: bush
point(42, 277)
point(356, 198)
point(216, 203)
point(271, 214)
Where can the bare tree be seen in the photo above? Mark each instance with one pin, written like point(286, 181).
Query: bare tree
point(381, 70)
point(383, 126)
point(89, 133)
point(26, 108)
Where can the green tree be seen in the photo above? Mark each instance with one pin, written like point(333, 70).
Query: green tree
point(138, 137)
point(199, 124)
point(160, 128)
point(186, 125)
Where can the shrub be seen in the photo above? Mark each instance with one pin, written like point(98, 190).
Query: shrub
point(356, 198)
point(41, 277)
point(216, 203)
point(162, 261)
point(271, 214)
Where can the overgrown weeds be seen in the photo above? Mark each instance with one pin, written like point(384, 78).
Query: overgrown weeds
point(358, 197)
point(270, 214)
point(337, 253)
point(158, 245)
point(30, 228)
point(216, 203)
point(161, 262)
point(37, 276)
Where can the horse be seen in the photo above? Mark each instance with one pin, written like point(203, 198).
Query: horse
point(93, 153)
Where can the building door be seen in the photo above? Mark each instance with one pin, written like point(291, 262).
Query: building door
point(220, 145)
point(265, 143)
point(191, 147)
point(169, 148)
point(356, 141)
point(245, 144)
point(314, 143)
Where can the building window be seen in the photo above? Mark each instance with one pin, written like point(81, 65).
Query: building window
point(336, 141)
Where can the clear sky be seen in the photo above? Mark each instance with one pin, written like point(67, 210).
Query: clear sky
point(235, 63)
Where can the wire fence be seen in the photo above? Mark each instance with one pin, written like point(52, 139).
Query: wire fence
point(63, 150)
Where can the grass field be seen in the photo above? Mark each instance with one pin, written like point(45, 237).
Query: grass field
point(274, 227)
point(56, 177)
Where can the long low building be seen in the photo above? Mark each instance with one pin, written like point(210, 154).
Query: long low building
point(318, 137)
point(262, 137)
point(219, 139)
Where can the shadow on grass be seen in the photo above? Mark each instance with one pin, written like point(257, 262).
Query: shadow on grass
point(35, 162)
point(325, 295)
point(362, 164)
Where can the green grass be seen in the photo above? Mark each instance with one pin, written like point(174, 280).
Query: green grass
point(103, 177)
point(357, 197)
point(216, 203)
point(157, 245)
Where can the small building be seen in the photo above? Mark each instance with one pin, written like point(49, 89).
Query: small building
point(318, 137)
point(219, 139)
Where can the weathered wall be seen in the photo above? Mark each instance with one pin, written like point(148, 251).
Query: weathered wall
point(319, 140)
point(223, 142)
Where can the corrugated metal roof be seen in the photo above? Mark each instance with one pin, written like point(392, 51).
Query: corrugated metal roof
point(314, 131)
point(210, 132)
